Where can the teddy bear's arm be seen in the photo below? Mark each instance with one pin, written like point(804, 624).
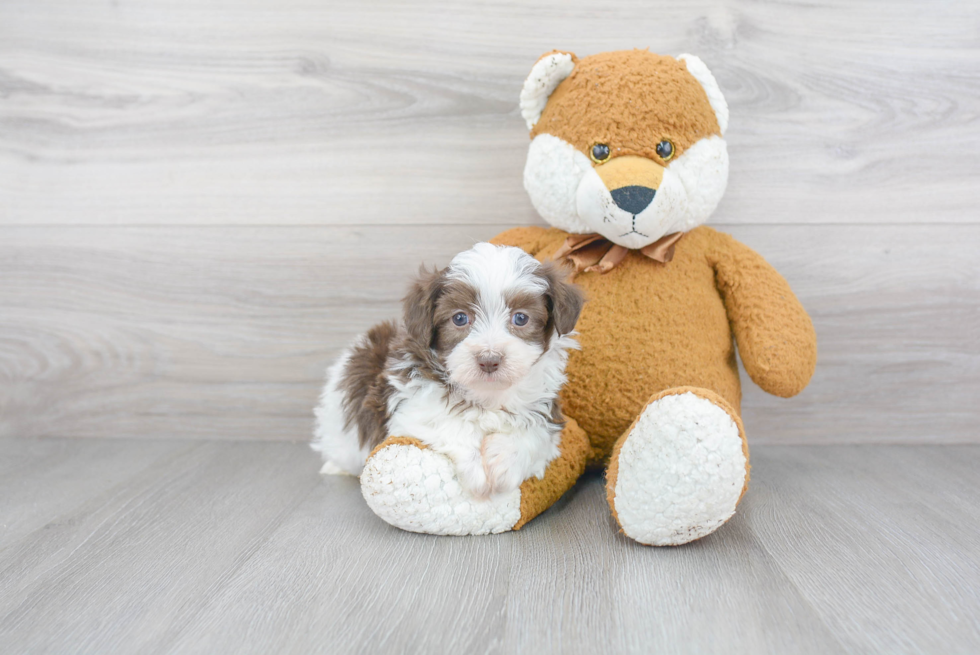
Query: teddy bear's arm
point(529, 239)
point(774, 333)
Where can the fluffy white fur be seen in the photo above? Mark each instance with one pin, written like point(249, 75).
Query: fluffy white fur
point(337, 444)
point(495, 430)
point(552, 175)
point(493, 271)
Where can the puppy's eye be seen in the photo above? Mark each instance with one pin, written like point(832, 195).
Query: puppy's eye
point(519, 319)
point(665, 150)
point(460, 319)
point(600, 153)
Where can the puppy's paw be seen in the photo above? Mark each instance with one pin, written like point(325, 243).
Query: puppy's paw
point(501, 464)
point(329, 468)
point(472, 477)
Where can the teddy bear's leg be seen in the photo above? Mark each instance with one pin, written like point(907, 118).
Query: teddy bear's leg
point(414, 488)
point(678, 472)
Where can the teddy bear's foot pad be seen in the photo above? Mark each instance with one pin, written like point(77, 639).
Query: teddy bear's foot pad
point(415, 489)
point(680, 471)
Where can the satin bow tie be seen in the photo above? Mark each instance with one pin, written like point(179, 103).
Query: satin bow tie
point(594, 253)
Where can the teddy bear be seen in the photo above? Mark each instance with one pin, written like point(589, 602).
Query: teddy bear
point(626, 163)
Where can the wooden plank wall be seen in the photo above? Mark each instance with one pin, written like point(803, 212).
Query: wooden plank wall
point(202, 201)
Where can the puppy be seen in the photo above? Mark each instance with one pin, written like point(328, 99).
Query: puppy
point(473, 371)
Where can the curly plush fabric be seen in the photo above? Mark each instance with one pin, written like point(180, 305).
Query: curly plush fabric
point(697, 443)
point(714, 398)
point(644, 98)
point(414, 488)
point(649, 326)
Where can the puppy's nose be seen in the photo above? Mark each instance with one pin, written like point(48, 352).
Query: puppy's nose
point(489, 363)
point(633, 199)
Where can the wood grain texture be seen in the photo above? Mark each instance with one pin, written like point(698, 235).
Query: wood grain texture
point(242, 548)
point(128, 566)
point(226, 332)
point(836, 518)
point(300, 112)
point(54, 478)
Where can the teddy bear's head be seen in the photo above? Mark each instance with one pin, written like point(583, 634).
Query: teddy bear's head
point(627, 144)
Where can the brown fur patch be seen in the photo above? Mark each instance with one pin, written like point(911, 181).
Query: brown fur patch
point(456, 297)
point(367, 390)
point(565, 300)
point(430, 334)
point(629, 100)
point(557, 416)
point(420, 305)
point(539, 325)
point(420, 327)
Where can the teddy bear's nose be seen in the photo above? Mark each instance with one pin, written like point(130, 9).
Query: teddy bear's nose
point(633, 199)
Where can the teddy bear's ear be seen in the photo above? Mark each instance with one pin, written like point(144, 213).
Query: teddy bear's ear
point(546, 75)
point(701, 73)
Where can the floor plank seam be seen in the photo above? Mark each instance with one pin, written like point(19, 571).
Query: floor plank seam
point(247, 555)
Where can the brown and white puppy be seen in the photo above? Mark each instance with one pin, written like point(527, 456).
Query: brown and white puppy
point(473, 371)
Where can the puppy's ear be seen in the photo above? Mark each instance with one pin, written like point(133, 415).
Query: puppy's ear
point(565, 300)
point(420, 305)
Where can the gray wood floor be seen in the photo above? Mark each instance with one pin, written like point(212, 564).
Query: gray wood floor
point(161, 546)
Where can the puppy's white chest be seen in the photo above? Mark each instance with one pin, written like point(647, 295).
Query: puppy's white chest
point(491, 422)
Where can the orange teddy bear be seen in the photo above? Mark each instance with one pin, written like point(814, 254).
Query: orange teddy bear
point(627, 161)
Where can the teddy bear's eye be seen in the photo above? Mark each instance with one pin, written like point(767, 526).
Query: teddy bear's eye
point(665, 150)
point(600, 153)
